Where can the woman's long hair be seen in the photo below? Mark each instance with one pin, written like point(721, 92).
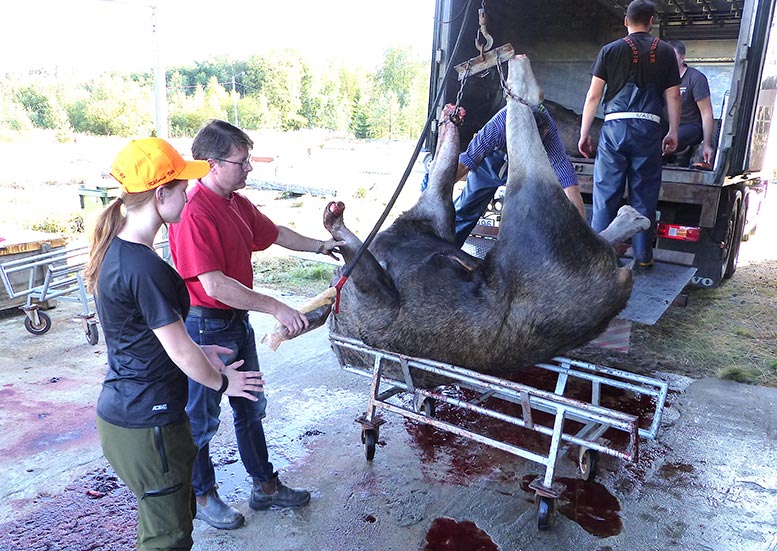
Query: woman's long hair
point(108, 225)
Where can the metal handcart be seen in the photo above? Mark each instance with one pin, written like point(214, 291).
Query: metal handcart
point(564, 420)
point(60, 274)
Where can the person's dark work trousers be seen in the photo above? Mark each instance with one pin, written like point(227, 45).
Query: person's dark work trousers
point(629, 153)
point(478, 191)
point(204, 406)
point(156, 465)
point(688, 134)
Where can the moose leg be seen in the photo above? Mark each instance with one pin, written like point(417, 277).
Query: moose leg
point(627, 223)
point(368, 277)
point(535, 205)
point(435, 205)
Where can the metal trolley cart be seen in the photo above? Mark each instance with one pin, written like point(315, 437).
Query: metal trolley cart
point(60, 273)
point(563, 420)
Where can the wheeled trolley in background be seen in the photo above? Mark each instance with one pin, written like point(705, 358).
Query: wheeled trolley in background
point(57, 275)
point(60, 272)
point(564, 420)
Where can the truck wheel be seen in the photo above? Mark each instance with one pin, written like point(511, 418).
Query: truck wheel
point(745, 210)
point(736, 225)
point(427, 161)
point(727, 233)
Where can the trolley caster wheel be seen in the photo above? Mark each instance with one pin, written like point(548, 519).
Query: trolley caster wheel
point(376, 430)
point(545, 509)
point(43, 325)
point(92, 333)
point(588, 462)
point(370, 439)
point(425, 406)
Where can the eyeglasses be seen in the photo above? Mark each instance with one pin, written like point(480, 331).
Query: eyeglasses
point(245, 163)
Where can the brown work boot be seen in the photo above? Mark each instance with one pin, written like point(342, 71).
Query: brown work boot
point(274, 494)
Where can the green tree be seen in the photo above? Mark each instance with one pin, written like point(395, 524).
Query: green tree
point(396, 75)
point(277, 89)
point(310, 102)
point(191, 112)
point(113, 105)
point(360, 120)
point(399, 96)
point(36, 104)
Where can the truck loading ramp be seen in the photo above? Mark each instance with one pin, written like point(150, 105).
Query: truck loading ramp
point(654, 291)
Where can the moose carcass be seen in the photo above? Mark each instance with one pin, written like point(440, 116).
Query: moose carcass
point(550, 283)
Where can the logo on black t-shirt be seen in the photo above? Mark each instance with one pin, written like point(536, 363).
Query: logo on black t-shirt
point(159, 407)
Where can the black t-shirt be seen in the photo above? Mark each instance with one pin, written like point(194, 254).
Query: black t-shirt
point(138, 292)
point(693, 88)
point(614, 65)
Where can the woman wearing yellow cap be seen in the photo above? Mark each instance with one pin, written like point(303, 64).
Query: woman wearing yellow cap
point(142, 302)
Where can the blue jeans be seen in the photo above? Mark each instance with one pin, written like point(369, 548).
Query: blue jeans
point(481, 185)
point(204, 406)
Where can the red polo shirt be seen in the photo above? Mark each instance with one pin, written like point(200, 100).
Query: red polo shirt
point(217, 234)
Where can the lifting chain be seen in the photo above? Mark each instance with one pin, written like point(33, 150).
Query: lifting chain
point(483, 40)
point(505, 88)
point(454, 118)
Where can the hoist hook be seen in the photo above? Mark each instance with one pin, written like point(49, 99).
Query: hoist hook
point(487, 40)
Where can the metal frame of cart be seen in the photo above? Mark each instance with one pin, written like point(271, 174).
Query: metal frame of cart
point(595, 419)
point(61, 276)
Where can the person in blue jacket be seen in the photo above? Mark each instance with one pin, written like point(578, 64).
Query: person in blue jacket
point(484, 163)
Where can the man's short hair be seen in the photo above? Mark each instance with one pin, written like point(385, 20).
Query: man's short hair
point(640, 11)
point(217, 138)
point(678, 46)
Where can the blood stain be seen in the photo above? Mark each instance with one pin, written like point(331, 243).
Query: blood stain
point(447, 534)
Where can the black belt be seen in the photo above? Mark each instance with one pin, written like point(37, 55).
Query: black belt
point(217, 313)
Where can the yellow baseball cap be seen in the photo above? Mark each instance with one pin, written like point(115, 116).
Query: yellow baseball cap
point(152, 162)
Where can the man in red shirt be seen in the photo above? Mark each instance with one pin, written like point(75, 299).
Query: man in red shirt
point(211, 247)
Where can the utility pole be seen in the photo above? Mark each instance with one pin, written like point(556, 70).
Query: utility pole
point(234, 99)
point(160, 81)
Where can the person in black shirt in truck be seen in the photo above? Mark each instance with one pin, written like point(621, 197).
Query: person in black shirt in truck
point(637, 77)
point(696, 119)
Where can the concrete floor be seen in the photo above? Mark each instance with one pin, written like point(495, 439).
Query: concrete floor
point(709, 481)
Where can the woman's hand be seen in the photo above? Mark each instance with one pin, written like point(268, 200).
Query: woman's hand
point(214, 352)
point(243, 383)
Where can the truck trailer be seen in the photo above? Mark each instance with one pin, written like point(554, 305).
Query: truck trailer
point(703, 214)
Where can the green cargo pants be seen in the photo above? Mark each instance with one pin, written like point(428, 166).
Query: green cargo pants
point(156, 465)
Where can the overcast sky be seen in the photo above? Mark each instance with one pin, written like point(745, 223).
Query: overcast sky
point(117, 34)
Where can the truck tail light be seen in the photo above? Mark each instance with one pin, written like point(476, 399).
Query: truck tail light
point(680, 233)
